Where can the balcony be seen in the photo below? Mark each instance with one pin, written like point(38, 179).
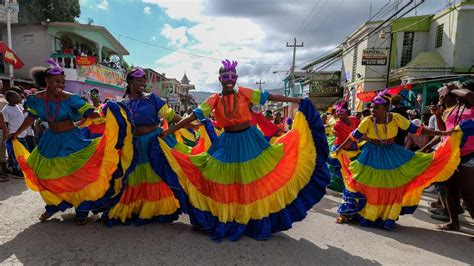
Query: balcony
point(85, 69)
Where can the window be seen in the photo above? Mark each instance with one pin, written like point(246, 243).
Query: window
point(354, 63)
point(439, 36)
point(2, 65)
point(407, 48)
point(28, 39)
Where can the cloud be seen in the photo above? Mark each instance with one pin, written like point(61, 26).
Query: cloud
point(103, 5)
point(180, 9)
point(256, 32)
point(147, 10)
point(176, 36)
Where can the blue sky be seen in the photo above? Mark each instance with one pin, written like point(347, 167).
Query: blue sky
point(254, 32)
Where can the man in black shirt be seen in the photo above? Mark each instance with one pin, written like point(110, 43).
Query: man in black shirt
point(397, 107)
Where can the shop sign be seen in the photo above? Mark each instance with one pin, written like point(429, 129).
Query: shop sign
point(173, 98)
point(374, 57)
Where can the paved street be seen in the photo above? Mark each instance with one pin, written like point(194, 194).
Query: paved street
point(316, 240)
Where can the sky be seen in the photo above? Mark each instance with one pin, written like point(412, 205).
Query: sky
point(192, 36)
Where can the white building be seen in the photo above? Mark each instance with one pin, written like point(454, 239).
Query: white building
point(418, 48)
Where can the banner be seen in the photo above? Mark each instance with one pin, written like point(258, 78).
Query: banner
point(374, 57)
point(85, 60)
point(102, 74)
point(10, 57)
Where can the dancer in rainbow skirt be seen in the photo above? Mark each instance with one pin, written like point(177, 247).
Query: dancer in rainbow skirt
point(67, 169)
point(94, 127)
point(243, 185)
point(146, 198)
point(345, 124)
point(385, 180)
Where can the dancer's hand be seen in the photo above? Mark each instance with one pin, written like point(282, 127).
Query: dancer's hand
point(448, 132)
point(164, 134)
point(12, 136)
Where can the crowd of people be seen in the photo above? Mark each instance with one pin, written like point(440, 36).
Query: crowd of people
point(380, 182)
point(243, 171)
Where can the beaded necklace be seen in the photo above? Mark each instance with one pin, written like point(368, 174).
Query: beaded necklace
point(46, 101)
point(227, 114)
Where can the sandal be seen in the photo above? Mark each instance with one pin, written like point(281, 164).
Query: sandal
point(447, 227)
point(342, 219)
point(45, 216)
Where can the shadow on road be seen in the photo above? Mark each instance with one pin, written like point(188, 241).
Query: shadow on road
point(11, 188)
point(452, 245)
point(64, 242)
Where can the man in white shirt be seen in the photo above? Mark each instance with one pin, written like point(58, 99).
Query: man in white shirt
point(3, 135)
point(13, 116)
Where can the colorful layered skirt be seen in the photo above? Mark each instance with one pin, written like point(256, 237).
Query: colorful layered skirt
point(336, 183)
point(71, 171)
point(383, 182)
point(146, 198)
point(243, 185)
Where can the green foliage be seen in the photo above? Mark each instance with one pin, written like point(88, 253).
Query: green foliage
point(54, 10)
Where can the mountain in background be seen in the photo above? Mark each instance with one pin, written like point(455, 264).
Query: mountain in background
point(201, 96)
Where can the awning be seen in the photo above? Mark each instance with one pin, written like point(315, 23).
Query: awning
point(10, 57)
point(370, 95)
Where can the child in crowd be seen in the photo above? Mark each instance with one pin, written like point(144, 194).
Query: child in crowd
point(13, 116)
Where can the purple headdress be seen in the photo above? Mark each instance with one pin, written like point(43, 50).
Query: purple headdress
point(137, 73)
point(54, 67)
point(341, 108)
point(230, 71)
point(382, 97)
point(229, 66)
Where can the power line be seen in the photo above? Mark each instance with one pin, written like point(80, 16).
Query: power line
point(193, 54)
point(306, 18)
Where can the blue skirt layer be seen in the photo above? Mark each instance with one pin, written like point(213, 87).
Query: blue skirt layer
point(246, 145)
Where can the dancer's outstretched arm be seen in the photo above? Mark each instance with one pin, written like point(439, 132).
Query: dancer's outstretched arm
point(282, 98)
point(179, 125)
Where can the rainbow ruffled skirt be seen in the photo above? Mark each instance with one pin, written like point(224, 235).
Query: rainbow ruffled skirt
point(71, 171)
point(385, 181)
point(243, 185)
point(146, 198)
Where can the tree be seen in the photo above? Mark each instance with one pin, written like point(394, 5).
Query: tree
point(48, 10)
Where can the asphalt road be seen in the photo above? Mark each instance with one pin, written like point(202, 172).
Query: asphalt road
point(314, 241)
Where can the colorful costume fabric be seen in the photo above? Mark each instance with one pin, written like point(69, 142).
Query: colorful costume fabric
point(243, 185)
point(95, 127)
point(71, 171)
point(268, 128)
point(341, 132)
point(146, 198)
point(385, 180)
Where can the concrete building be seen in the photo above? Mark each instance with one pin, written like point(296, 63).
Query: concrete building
point(418, 48)
point(89, 54)
point(156, 83)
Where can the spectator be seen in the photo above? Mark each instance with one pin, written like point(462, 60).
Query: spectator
point(398, 108)
point(13, 115)
point(416, 142)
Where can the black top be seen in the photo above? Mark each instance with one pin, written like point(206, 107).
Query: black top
point(400, 138)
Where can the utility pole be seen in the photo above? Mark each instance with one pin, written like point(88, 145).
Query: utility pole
point(292, 80)
point(260, 83)
point(9, 37)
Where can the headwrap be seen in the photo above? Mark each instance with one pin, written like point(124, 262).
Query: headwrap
point(289, 120)
point(382, 98)
point(54, 69)
point(341, 108)
point(230, 71)
point(138, 72)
